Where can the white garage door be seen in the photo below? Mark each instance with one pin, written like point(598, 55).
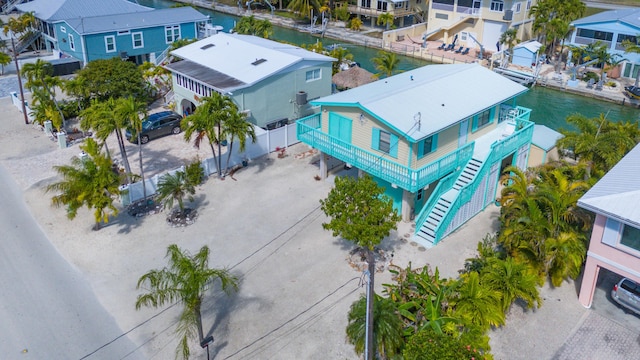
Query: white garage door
point(491, 34)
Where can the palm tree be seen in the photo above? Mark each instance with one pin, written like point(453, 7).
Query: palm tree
point(340, 54)
point(510, 39)
point(101, 117)
point(89, 182)
point(564, 256)
point(185, 279)
point(39, 75)
point(236, 127)
point(128, 112)
point(303, 7)
point(385, 19)
point(478, 304)
point(512, 280)
point(387, 327)
point(559, 195)
point(5, 60)
point(206, 121)
point(249, 25)
point(175, 187)
point(386, 63)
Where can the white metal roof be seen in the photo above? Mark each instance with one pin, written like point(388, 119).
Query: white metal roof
point(617, 194)
point(442, 95)
point(57, 10)
point(170, 16)
point(544, 137)
point(530, 45)
point(629, 16)
point(245, 57)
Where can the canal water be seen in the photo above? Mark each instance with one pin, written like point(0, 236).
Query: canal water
point(549, 107)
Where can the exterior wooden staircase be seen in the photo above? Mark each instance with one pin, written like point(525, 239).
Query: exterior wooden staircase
point(10, 5)
point(427, 231)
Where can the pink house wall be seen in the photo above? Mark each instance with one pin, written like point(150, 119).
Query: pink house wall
point(601, 255)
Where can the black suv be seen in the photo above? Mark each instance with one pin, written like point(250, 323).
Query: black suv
point(157, 125)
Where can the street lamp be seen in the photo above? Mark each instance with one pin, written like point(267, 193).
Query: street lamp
point(206, 342)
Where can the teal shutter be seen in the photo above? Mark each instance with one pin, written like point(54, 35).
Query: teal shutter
point(420, 149)
point(434, 142)
point(393, 151)
point(492, 113)
point(474, 123)
point(334, 125)
point(375, 139)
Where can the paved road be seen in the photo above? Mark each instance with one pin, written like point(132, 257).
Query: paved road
point(48, 309)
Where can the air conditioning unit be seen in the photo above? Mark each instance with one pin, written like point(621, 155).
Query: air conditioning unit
point(508, 15)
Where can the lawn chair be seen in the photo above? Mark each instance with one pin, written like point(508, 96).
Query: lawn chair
point(599, 85)
point(590, 83)
point(442, 46)
point(465, 51)
point(459, 50)
point(450, 47)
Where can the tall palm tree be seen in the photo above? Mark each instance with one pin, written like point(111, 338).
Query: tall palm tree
point(237, 127)
point(175, 187)
point(386, 63)
point(5, 60)
point(88, 182)
point(304, 7)
point(39, 74)
point(512, 280)
point(510, 39)
point(185, 279)
point(387, 327)
point(206, 122)
point(559, 194)
point(564, 256)
point(478, 304)
point(128, 112)
point(104, 120)
point(340, 54)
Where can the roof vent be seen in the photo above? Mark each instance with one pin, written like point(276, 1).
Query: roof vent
point(258, 62)
point(205, 47)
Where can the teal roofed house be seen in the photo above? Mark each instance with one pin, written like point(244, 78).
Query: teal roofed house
point(437, 138)
point(101, 29)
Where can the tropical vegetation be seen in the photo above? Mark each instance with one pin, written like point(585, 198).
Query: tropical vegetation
point(88, 182)
point(185, 279)
point(175, 187)
point(386, 63)
point(249, 25)
point(552, 19)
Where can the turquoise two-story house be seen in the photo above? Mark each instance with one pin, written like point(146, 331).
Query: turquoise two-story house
point(437, 138)
point(101, 29)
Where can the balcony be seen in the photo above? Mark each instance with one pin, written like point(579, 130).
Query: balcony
point(355, 9)
point(309, 131)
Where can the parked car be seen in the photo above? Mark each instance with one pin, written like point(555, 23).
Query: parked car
point(157, 125)
point(627, 294)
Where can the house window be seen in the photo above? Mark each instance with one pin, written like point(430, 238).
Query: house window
point(365, 3)
point(593, 34)
point(442, 16)
point(172, 33)
point(622, 37)
point(528, 4)
point(384, 142)
point(381, 6)
point(517, 8)
point(72, 44)
point(419, 194)
point(463, 36)
point(313, 75)
point(63, 29)
point(110, 43)
point(427, 146)
point(497, 5)
point(137, 40)
point(631, 237)
point(124, 32)
point(482, 119)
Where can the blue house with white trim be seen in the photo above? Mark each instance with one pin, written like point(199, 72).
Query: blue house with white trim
point(101, 29)
point(437, 138)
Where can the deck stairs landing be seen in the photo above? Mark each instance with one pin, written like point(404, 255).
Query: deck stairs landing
point(427, 231)
point(10, 5)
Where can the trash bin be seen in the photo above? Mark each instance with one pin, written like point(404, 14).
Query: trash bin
point(124, 195)
point(62, 140)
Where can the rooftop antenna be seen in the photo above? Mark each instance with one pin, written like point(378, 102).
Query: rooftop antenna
point(417, 118)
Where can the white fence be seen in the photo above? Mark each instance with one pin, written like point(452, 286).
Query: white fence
point(267, 141)
point(15, 99)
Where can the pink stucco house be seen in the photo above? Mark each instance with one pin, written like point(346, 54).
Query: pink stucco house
point(615, 240)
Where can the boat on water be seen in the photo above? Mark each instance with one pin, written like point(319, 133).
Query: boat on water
point(632, 92)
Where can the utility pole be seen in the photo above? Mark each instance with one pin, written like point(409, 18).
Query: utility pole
point(369, 346)
point(15, 59)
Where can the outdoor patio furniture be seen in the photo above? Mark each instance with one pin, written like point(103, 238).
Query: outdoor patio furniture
point(459, 50)
point(442, 46)
point(450, 47)
point(599, 85)
point(465, 51)
point(590, 83)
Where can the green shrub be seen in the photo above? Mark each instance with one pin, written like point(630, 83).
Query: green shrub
point(341, 12)
point(611, 84)
point(194, 172)
point(590, 75)
point(426, 344)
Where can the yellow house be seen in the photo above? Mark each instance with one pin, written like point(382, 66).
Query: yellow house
point(478, 23)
